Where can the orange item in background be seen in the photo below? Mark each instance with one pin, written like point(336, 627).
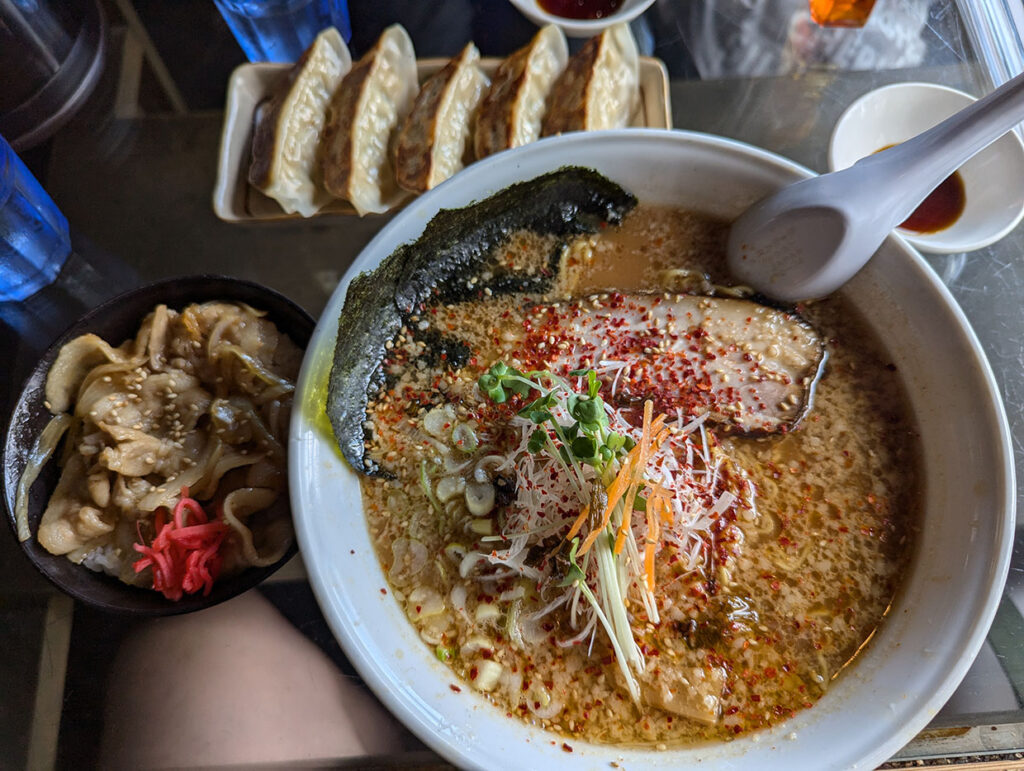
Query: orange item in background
point(841, 13)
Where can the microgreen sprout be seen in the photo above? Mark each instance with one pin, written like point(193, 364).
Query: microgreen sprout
point(586, 440)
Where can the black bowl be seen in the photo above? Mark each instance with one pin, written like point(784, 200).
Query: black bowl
point(115, 321)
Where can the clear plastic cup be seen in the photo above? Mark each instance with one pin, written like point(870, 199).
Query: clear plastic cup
point(280, 30)
point(34, 237)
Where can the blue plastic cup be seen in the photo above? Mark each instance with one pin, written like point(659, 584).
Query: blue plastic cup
point(280, 30)
point(34, 237)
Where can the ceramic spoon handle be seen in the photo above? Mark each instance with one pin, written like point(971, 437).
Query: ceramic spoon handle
point(912, 169)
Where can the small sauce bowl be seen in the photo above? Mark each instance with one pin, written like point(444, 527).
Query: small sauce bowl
point(993, 179)
point(628, 11)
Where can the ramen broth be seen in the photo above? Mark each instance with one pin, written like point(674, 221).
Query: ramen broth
point(788, 588)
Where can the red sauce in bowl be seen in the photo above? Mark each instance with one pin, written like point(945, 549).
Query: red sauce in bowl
point(581, 9)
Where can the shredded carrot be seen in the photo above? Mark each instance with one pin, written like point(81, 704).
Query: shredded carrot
point(645, 436)
point(185, 553)
point(657, 489)
point(654, 503)
point(615, 492)
point(627, 521)
point(628, 480)
point(635, 476)
point(666, 512)
point(579, 522)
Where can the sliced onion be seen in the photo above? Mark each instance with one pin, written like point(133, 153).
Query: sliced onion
point(512, 683)
point(458, 599)
point(486, 612)
point(475, 644)
point(488, 675)
point(453, 465)
point(464, 438)
point(433, 630)
point(410, 557)
point(479, 498)
point(469, 562)
point(512, 628)
point(513, 594)
point(490, 463)
point(42, 451)
point(423, 603)
point(448, 487)
point(455, 552)
point(531, 631)
point(438, 422)
point(541, 703)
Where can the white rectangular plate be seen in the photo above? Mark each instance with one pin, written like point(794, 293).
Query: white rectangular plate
point(235, 200)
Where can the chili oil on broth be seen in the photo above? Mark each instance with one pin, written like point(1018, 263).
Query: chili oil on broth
point(787, 597)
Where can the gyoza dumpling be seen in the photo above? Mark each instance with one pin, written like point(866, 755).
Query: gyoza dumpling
point(514, 106)
point(600, 86)
point(369, 103)
point(287, 137)
point(435, 137)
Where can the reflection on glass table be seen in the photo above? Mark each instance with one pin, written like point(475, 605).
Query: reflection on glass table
point(760, 72)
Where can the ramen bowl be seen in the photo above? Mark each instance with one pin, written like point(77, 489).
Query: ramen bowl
point(117, 320)
point(949, 595)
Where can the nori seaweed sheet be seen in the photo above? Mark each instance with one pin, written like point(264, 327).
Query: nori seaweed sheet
point(457, 243)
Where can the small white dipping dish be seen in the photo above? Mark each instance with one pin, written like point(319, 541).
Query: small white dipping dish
point(628, 11)
point(993, 179)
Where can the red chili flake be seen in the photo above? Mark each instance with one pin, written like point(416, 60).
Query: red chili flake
point(455, 688)
point(383, 591)
point(566, 747)
point(473, 672)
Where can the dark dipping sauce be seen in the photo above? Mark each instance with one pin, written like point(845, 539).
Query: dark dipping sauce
point(581, 9)
point(940, 209)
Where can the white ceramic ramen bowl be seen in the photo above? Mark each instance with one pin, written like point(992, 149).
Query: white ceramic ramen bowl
point(628, 11)
point(993, 179)
point(940, 616)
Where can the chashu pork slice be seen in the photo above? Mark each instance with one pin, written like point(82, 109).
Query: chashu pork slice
point(747, 366)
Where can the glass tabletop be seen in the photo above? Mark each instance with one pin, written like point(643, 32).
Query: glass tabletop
point(134, 173)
